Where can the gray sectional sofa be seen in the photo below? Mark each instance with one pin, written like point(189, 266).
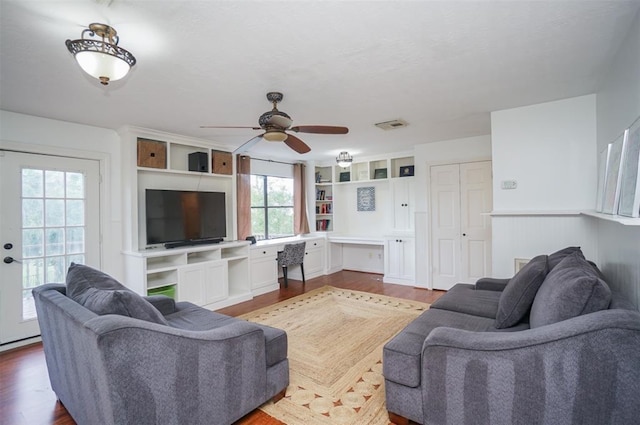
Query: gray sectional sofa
point(115, 357)
point(552, 345)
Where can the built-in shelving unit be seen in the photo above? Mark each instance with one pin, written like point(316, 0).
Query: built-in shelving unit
point(214, 275)
point(379, 169)
point(394, 171)
point(625, 221)
point(324, 199)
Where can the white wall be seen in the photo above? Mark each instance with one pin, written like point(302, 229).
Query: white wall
point(549, 150)
point(35, 134)
point(349, 221)
point(618, 106)
point(442, 152)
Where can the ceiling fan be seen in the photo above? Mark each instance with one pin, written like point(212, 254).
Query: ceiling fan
point(276, 123)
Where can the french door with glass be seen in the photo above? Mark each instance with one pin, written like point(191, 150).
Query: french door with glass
point(50, 218)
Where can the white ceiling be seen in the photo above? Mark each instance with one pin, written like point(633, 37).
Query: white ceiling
point(443, 66)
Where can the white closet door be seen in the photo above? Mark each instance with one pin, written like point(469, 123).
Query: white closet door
point(476, 199)
point(461, 195)
point(445, 225)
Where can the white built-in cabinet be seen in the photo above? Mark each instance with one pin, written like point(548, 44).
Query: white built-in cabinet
point(400, 260)
point(403, 195)
point(314, 263)
point(264, 269)
point(208, 275)
point(212, 275)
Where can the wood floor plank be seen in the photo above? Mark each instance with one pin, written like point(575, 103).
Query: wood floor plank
point(26, 396)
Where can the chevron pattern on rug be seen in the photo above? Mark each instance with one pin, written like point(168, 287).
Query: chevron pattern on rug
point(335, 354)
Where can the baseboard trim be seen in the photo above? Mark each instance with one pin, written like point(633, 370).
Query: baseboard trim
point(20, 343)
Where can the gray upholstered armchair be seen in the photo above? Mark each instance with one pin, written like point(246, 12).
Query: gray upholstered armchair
point(291, 255)
point(188, 365)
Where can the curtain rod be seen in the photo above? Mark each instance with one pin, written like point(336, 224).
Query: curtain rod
point(271, 160)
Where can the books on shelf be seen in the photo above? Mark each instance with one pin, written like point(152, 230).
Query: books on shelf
point(323, 209)
point(322, 224)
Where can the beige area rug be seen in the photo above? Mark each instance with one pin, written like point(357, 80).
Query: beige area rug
point(335, 354)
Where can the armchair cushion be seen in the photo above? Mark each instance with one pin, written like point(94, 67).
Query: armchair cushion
point(517, 298)
point(571, 289)
point(102, 294)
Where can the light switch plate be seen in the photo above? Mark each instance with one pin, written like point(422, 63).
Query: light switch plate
point(509, 184)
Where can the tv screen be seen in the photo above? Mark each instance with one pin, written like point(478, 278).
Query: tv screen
point(179, 215)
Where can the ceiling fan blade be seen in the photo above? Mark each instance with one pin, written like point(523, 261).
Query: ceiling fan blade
point(296, 144)
point(228, 126)
point(320, 129)
point(248, 145)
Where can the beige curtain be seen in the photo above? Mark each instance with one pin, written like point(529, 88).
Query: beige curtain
point(243, 184)
point(300, 222)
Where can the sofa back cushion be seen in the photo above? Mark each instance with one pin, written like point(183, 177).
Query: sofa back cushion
point(102, 294)
point(517, 297)
point(556, 257)
point(571, 289)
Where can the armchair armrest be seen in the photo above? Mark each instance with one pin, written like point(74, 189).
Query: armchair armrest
point(581, 370)
point(491, 284)
point(174, 374)
point(166, 305)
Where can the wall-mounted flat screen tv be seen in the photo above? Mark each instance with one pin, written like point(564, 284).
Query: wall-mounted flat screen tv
point(175, 216)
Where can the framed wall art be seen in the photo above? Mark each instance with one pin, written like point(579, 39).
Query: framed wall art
point(612, 184)
point(380, 173)
point(629, 204)
point(366, 200)
point(603, 160)
point(406, 171)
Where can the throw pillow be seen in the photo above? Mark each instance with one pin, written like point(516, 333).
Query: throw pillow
point(571, 289)
point(102, 294)
point(517, 297)
point(556, 257)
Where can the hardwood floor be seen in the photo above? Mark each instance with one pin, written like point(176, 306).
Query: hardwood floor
point(26, 397)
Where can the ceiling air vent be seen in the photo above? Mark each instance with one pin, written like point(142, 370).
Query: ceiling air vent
point(390, 125)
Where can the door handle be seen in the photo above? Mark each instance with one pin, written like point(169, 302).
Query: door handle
point(9, 260)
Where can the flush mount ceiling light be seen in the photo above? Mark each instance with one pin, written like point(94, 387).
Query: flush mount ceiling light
point(344, 159)
point(101, 58)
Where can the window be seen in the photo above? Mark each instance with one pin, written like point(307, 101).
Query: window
point(53, 228)
point(271, 206)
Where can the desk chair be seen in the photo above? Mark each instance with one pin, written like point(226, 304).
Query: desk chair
point(291, 255)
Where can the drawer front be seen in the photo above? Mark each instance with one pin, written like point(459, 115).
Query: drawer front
point(266, 252)
point(314, 243)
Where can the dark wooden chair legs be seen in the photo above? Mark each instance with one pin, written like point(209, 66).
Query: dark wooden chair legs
point(284, 273)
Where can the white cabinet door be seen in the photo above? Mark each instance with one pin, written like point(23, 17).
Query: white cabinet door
point(400, 260)
point(202, 283)
point(314, 259)
point(403, 203)
point(264, 267)
point(215, 287)
point(191, 281)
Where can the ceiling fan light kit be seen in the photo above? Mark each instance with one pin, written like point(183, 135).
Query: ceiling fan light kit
point(344, 159)
point(276, 123)
point(101, 57)
point(275, 136)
